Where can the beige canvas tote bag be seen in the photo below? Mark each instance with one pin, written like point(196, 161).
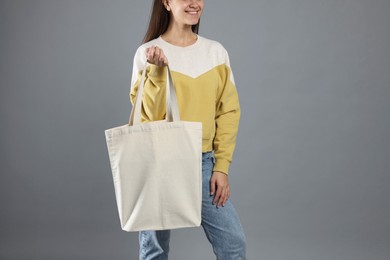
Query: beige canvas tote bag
point(157, 168)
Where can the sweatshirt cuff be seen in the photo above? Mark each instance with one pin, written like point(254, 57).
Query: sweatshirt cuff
point(156, 71)
point(221, 165)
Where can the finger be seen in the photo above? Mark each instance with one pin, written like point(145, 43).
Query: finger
point(222, 198)
point(224, 202)
point(161, 58)
point(217, 194)
point(147, 53)
point(150, 54)
point(156, 53)
point(227, 196)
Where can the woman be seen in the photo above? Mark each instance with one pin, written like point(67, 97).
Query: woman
point(205, 92)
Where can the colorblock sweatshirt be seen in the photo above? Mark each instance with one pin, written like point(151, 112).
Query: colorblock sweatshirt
point(205, 92)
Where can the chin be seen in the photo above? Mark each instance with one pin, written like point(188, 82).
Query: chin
point(193, 22)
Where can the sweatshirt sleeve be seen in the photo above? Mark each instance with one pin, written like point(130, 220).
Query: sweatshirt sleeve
point(153, 99)
point(227, 119)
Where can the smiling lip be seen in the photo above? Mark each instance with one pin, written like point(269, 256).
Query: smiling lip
point(192, 12)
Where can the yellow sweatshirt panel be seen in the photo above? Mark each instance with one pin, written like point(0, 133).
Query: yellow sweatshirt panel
point(210, 98)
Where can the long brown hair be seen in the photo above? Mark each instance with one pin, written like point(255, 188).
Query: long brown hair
point(159, 21)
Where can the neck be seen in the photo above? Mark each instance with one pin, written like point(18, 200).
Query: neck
point(180, 35)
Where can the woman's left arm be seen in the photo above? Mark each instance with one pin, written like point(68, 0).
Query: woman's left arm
point(227, 121)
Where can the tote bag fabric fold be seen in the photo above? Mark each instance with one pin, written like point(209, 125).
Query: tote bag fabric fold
point(157, 168)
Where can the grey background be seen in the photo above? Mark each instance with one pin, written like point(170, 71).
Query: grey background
point(310, 177)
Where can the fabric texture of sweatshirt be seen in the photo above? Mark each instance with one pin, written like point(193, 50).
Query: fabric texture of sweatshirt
point(205, 92)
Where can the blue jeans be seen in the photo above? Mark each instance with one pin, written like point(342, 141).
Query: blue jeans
point(221, 225)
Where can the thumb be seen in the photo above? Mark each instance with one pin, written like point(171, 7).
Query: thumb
point(212, 185)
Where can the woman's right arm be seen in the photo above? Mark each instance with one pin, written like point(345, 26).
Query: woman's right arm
point(153, 100)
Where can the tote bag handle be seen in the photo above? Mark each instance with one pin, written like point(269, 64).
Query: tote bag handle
point(172, 113)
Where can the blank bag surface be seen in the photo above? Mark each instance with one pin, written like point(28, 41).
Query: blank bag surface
point(157, 168)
